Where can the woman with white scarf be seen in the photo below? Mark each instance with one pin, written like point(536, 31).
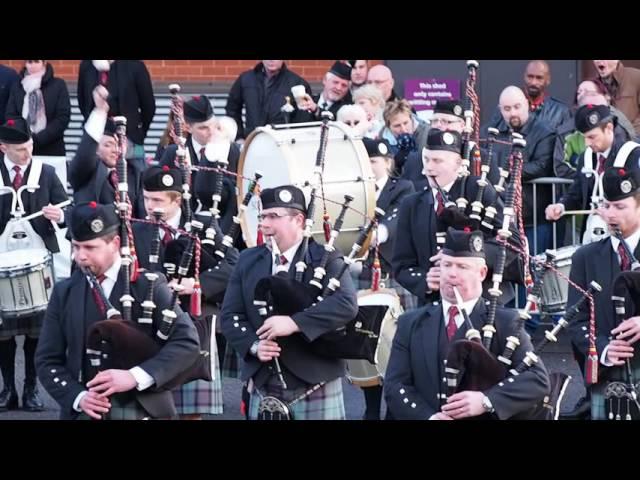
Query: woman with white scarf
point(43, 101)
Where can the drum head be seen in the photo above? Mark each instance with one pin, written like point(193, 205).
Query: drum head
point(287, 154)
point(21, 259)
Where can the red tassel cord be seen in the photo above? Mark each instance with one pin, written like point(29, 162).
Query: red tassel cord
point(196, 297)
point(260, 237)
point(326, 225)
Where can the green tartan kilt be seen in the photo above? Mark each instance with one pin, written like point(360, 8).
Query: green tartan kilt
point(326, 403)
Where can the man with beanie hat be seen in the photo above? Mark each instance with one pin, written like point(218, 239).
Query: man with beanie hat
point(423, 215)
point(413, 385)
point(61, 358)
point(287, 338)
point(18, 169)
point(597, 125)
point(602, 261)
point(335, 93)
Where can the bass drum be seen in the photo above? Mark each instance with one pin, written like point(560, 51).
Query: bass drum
point(362, 372)
point(286, 155)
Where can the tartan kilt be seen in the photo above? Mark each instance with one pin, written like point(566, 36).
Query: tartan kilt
point(326, 403)
point(201, 396)
point(598, 402)
point(30, 326)
point(123, 407)
point(231, 363)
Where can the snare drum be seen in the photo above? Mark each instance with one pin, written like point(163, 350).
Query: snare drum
point(362, 372)
point(555, 289)
point(286, 155)
point(26, 281)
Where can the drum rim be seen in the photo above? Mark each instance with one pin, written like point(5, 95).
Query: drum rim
point(46, 259)
point(370, 197)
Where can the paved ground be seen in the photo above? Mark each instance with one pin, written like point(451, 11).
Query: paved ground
point(556, 358)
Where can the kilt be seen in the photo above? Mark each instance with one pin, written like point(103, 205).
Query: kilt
point(123, 407)
point(30, 326)
point(231, 364)
point(201, 396)
point(598, 402)
point(326, 403)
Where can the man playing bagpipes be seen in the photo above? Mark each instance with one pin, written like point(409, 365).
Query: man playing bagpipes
point(279, 361)
point(162, 191)
point(92, 171)
point(415, 384)
point(19, 170)
point(80, 305)
point(609, 344)
point(425, 215)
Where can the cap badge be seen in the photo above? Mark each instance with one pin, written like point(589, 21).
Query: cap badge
point(97, 225)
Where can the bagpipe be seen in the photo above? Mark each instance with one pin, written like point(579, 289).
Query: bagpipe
point(182, 154)
point(470, 365)
point(471, 130)
point(622, 388)
point(118, 340)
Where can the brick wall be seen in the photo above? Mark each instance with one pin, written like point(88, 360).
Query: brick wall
point(195, 70)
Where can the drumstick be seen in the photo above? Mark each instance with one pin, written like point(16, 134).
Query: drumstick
point(577, 212)
point(37, 214)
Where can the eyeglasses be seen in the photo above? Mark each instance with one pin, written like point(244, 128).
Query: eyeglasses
point(274, 216)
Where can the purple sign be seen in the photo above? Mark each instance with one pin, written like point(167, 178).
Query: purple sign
point(423, 93)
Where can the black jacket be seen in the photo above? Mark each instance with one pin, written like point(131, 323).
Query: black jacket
point(89, 178)
point(50, 191)
point(240, 318)
point(389, 200)
point(49, 141)
point(538, 162)
point(414, 376)
point(8, 77)
point(262, 105)
point(552, 114)
point(596, 261)
point(60, 356)
point(301, 116)
point(417, 243)
point(130, 94)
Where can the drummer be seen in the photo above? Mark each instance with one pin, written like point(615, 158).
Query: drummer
point(18, 168)
point(389, 193)
point(604, 149)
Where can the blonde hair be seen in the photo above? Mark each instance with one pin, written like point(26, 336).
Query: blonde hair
point(371, 93)
point(394, 108)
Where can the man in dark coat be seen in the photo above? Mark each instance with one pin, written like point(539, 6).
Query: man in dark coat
point(597, 124)
point(538, 161)
point(17, 169)
point(8, 77)
point(131, 95)
point(415, 383)
point(415, 257)
point(56, 104)
point(602, 261)
point(335, 93)
point(288, 339)
point(90, 170)
point(62, 359)
point(262, 91)
point(547, 110)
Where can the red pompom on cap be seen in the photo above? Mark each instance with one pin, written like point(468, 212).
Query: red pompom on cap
point(93, 205)
point(11, 122)
point(165, 168)
point(621, 171)
point(467, 229)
